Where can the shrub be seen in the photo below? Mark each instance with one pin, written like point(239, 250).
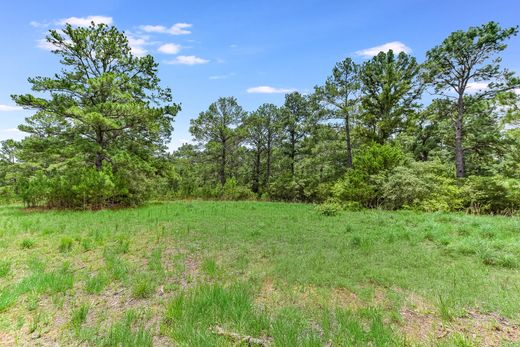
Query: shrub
point(328, 208)
point(375, 158)
point(403, 188)
point(356, 186)
point(233, 191)
point(425, 186)
point(492, 194)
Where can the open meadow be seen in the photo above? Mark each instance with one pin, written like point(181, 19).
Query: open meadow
point(224, 273)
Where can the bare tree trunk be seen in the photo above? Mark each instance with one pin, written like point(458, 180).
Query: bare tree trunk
point(459, 149)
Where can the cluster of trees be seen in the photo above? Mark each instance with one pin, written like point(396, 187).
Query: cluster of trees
point(362, 138)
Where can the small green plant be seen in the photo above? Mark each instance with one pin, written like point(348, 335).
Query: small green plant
point(210, 267)
point(27, 244)
point(122, 334)
point(122, 245)
point(445, 309)
point(116, 267)
point(86, 244)
point(79, 315)
point(143, 287)
point(356, 241)
point(66, 244)
point(96, 283)
point(5, 268)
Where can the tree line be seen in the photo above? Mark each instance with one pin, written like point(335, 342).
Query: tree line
point(363, 138)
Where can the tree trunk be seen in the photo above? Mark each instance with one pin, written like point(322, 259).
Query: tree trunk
point(350, 165)
point(293, 152)
point(459, 149)
point(256, 179)
point(99, 161)
point(99, 155)
point(268, 165)
point(222, 171)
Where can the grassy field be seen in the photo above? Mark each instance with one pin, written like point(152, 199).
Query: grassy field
point(218, 273)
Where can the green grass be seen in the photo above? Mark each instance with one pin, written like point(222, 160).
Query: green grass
point(287, 273)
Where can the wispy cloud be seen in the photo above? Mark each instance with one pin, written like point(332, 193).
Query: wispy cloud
point(222, 77)
point(187, 60)
point(12, 130)
point(137, 44)
point(395, 46)
point(170, 48)
point(269, 90)
point(85, 21)
point(36, 24)
point(44, 44)
point(9, 108)
point(476, 86)
point(176, 29)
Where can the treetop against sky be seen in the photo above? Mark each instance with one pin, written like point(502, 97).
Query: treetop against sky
point(255, 51)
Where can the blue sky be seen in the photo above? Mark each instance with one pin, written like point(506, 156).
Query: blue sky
point(253, 50)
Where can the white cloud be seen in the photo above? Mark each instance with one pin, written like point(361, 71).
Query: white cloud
point(12, 130)
point(9, 108)
point(395, 46)
point(516, 91)
point(36, 24)
point(137, 44)
point(222, 77)
point(476, 86)
point(176, 29)
point(44, 44)
point(268, 90)
point(85, 21)
point(170, 48)
point(187, 60)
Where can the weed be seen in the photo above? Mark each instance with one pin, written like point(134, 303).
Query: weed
point(27, 244)
point(79, 315)
point(143, 287)
point(5, 268)
point(96, 283)
point(66, 244)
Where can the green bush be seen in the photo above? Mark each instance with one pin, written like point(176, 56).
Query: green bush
point(357, 186)
point(403, 188)
point(493, 194)
point(233, 191)
point(427, 186)
point(329, 208)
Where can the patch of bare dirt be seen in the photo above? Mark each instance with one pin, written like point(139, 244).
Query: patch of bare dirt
point(421, 324)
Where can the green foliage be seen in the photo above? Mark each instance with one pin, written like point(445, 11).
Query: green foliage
point(66, 244)
point(232, 191)
point(492, 194)
point(329, 208)
point(95, 284)
point(79, 315)
point(391, 88)
point(143, 287)
point(5, 268)
point(27, 244)
point(85, 151)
